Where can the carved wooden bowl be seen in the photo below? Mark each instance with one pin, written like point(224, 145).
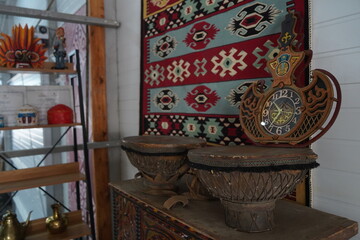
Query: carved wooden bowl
point(161, 160)
point(249, 179)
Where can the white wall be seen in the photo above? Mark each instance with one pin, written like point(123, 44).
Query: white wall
point(38, 4)
point(336, 46)
point(68, 6)
point(123, 74)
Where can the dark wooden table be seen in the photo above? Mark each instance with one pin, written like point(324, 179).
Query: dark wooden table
point(141, 216)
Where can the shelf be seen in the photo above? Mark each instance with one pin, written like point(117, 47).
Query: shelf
point(75, 229)
point(14, 180)
point(40, 126)
point(27, 178)
point(46, 69)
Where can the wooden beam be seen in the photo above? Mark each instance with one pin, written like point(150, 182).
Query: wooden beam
point(97, 72)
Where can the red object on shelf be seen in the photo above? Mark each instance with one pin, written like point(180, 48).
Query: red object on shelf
point(60, 114)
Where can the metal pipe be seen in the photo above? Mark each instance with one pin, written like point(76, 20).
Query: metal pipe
point(55, 16)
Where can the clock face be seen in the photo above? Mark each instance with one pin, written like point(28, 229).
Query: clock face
point(281, 111)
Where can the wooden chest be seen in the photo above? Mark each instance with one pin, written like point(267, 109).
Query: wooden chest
point(139, 216)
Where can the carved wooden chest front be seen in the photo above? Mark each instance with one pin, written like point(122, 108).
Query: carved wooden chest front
point(140, 216)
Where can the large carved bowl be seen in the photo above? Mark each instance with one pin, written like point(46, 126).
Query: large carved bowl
point(248, 180)
point(161, 160)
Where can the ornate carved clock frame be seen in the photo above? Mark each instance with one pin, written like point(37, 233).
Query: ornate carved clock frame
point(285, 114)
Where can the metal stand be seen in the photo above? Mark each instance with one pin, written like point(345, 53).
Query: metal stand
point(86, 150)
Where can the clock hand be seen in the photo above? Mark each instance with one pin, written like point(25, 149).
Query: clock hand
point(277, 107)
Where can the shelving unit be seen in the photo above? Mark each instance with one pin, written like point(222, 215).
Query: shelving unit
point(41, 126)
point(47, 68)
point(15, 180)
point(75, 229)
point(19, 179)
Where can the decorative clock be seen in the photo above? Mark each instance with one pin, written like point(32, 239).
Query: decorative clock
point(286, 114)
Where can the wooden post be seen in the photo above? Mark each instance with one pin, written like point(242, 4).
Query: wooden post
point(301, 193)
point(100, 170)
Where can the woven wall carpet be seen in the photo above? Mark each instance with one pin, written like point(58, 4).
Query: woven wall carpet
point(198, 58)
